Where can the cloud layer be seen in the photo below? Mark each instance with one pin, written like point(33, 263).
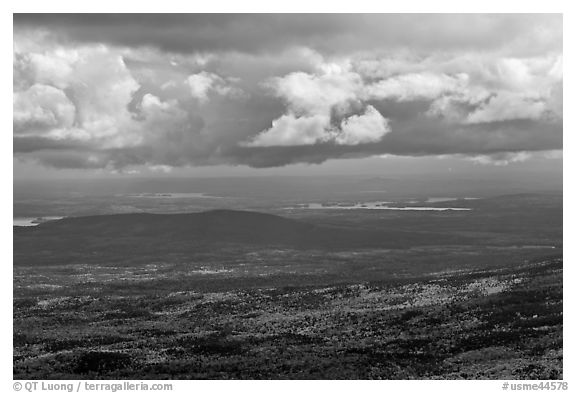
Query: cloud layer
point(124, 91)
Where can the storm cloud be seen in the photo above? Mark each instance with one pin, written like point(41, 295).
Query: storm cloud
point(122, 91)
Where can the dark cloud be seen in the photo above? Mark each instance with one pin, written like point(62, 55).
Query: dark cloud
point(34, 143)
point(420, 137)
point(333, 33)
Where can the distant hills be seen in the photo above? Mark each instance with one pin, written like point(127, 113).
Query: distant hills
point(154, 234)
point(211, 226)
point(509, 220)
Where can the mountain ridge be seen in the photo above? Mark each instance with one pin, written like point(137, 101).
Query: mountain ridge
point(147, 234)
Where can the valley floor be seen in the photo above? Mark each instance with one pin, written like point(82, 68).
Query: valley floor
point(497, 322)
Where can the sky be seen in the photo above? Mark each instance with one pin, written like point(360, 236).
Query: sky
point(248, 94)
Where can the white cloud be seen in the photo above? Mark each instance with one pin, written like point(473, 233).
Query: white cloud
point(334, 86)
point(289, 130)
point(500, 89)
point(416, 86)
point(508, 106)
point(501, 159)
point(204, 83)
point(84, 95)
point(514, 74)
point(98, 88)
point(150, 103)
point(200, 84)
point(40, 109)
point(311, 99)
point(366, 128)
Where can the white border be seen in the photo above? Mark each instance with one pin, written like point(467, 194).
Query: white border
point(113, 6)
